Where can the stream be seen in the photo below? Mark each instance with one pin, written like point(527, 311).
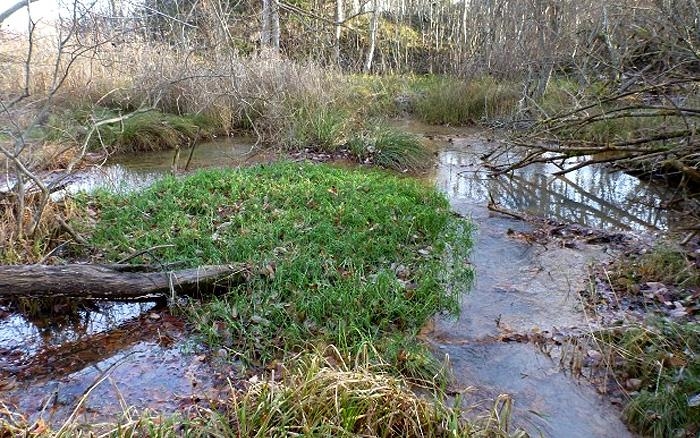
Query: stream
point(139, 355)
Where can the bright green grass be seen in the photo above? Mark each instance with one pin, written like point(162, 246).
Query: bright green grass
point(325, 244)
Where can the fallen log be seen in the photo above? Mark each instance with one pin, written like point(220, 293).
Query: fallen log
point(113, 282)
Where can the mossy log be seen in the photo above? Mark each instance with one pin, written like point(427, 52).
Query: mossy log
point(113, 282)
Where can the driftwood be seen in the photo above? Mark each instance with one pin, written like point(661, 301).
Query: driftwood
point(114, 282)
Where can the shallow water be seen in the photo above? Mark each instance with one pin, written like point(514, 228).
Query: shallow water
point(527, 288)
point(140, 356)
point(129, 172)
point(520, 287)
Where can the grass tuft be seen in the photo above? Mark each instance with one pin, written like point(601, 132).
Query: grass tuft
point(391, 148)
point(323, 129)
point(322, 398)
point(450, 101)
point(153, 131)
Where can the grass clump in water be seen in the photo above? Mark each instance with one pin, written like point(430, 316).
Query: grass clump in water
point(153, 131)
point(391, 148)
point(321, 397)
point(450, 101)
point(323, 129)
point(340, 257)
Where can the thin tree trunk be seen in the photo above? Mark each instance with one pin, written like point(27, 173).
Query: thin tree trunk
point(275, 25)
point(339, 17)
point(373, 26)
point(265, 37)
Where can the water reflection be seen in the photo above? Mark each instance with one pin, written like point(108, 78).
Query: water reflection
point(124, 173)
point(523, 288)
point(592, 196)
point(23, 336)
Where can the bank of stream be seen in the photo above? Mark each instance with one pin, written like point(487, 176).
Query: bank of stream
point(141, 355)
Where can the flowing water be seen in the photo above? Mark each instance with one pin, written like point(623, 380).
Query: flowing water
point(529, 288)
point(141, 357)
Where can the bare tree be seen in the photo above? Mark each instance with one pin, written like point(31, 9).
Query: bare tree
point(25, 110)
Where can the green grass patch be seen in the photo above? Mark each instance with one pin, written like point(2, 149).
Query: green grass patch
point(340, 256)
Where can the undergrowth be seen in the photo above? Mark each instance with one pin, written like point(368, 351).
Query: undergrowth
point(340, 257)
point(665, 357)
point(658, 359)
point(664, 264)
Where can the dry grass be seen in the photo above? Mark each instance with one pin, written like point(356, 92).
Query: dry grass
point(319, 395)
point(49, 233)
point(258, 92)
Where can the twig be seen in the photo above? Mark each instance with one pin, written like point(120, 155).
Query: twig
point(52, 252)
point(143, 251)
point(78, 238)
point(493, 207)
point(87, 393)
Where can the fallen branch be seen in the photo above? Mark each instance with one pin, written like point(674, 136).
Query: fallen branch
point(114, 282)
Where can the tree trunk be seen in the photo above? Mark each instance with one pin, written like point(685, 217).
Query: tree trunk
point(265, 37)
point(115, 282)
point(339, 17)
point(374, 24)
point(275, 25)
